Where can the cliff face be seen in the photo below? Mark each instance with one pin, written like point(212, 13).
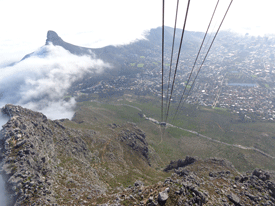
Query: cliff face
point(46, 162)
point(33, 150)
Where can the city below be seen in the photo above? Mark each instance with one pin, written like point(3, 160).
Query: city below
point(238, 75)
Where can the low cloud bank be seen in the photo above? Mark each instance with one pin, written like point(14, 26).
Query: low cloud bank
point(3, 120)
point(41, 81)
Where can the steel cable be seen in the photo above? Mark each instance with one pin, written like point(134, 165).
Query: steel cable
point(162, 58)
point(204, 59)
point(187, 9)
point(172, 52)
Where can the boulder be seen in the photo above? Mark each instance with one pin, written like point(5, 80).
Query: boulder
point(234, 198)
point(163, 196)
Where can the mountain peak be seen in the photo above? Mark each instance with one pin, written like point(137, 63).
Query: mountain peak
point(53, 37)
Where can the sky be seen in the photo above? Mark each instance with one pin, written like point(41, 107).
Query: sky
point(41, 81)
point(97, 23)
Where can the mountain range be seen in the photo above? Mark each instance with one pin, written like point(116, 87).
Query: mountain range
point(116, 54)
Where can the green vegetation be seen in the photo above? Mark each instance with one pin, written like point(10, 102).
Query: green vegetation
point(133, 64)
point(220, 109)
point(178, 133)
point(217, 123)
point(140, 65)
point(142, 57)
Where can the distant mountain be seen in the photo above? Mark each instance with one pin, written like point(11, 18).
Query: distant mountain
point(53, 38)
point(117, 54)
point(121, 58)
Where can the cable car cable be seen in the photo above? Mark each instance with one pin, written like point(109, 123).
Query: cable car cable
point(188, 4)
point(188, 80)
point(162, 58)
point(172, 52)
point(204, 59)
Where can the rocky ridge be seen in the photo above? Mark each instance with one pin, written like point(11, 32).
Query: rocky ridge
point(45, 162)
point(31, 154)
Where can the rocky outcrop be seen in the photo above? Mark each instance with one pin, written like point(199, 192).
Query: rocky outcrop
point(136, 140)
point(34, 153)
point(261, 174)
point(45, 162)
point(181, 163)
point(209, 182)
point(53, 38)
point(163, 196)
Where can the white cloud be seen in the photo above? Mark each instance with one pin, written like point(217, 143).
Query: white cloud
point(41, 81)
point(3, 120)
point(54, 109)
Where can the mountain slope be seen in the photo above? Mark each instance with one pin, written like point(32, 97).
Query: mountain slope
point(45, 161)
point(65, 162)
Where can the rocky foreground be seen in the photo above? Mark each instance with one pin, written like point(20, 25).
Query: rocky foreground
point(45, 162)
point(197, 182)
point(31, 157)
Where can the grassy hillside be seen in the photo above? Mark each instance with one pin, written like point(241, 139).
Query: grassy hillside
point(173, 143)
